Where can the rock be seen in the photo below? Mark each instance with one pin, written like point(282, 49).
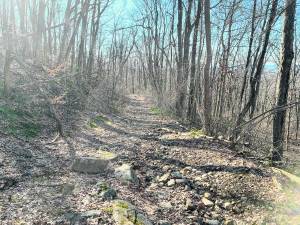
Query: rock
point(171, 183)
point(197, 172)
point(230, 222)
point(204, 176)
point(166, 168)
point(215, 215)
point(219, 202)
point(108, 194)
point(198, 178)
point(93, 165)
point(165, 205)
point(7, 182)
point(217, 208)
point(164, 178)
point(80, 218)
point(126, 174)
point(237, 210)
point(91, 213)
point(199, 221)
point(176, 175)
point(152, 186)
point(189, 205)
point(227, 205)
point(212, 222)
point(187, 188)
point(125, 213)
point(207, 202)
point(186, 170)
point(164, 222)
point(244, 199)
point(180, 181)
point(207, 195)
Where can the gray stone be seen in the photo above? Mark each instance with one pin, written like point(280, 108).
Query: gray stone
point(189, 205)
point(171, 183)
point(227, 205)
point(93, 165)
point(230, 222)
point(166, 168)
point(187, 188)
point(165, 205)
point(198, 178)
point(164, 178)
point(212, 222)
point(126, 174)
point(164, 222)
point(180, 181)
point(207, 195)
point(207, 202)
point(91, 213)
point(108, 194)
point(176, 175)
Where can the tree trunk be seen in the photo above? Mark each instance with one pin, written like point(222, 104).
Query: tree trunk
point(191, 114)
point(207, 83)
point(285, 71)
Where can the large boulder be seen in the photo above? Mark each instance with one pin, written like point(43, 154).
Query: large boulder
point(126, 174)
point(93, 165)
point(125, 213)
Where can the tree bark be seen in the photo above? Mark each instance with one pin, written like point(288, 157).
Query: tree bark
point(285, 71)
point(207, 83)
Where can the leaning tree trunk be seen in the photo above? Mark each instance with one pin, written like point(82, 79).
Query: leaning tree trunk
point(256, 79)
point(285, 71)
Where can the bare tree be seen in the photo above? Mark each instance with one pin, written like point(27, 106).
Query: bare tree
point(207, 81)
point(285, 71)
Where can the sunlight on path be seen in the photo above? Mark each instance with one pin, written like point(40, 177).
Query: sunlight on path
point(288, 205)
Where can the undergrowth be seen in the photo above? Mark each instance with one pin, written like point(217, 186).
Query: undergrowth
point(18, 122)
point(158, 111)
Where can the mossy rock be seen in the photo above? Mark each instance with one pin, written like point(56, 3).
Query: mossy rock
point(124, 213)
point(105, 191)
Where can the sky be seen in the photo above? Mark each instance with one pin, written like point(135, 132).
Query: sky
point(122, 8)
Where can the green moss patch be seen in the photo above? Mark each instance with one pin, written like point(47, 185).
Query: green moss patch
point(196, 133)
point(156, 111)
point(102, 119)
point(99, 119)
point(108, 210)
point(19, 123)
point(106, 155)
point(102, 186)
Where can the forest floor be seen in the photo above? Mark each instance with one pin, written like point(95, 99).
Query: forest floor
point(38, 187)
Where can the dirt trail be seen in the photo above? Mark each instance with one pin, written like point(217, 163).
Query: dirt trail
point(288, 204)
point(154, 145)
